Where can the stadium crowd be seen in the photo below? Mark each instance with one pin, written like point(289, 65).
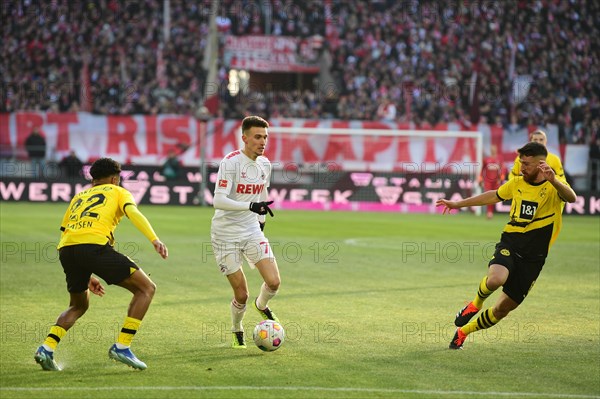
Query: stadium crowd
point(510, 62)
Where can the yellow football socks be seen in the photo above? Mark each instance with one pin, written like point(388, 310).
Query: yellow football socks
point(485, 320)
point(482, 293)
point(54, 336)
point(130, 327)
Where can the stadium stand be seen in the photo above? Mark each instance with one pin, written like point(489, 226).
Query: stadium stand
point(433, 62)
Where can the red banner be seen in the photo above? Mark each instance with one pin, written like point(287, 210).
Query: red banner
point(146, 140)
point(271, 54)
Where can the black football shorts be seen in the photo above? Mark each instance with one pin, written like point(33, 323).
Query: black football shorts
point(522, 273)
point(80, 261)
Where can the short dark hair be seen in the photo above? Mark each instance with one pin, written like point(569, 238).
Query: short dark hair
point(533, 149)
point(105, 167)
point(253, 121)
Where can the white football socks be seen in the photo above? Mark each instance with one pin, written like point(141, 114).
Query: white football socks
point(266, 294)
point(238, 310)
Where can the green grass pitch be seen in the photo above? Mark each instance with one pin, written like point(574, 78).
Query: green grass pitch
point(367, 300)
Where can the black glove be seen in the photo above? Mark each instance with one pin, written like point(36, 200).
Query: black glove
point(262, 226)
point(261, 207)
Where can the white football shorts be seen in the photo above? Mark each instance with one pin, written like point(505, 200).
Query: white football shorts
point(231, 254)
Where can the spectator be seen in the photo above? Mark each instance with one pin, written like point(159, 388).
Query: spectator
point(71, 165)
point(35, 144)
point(386, 110)
point(436, 62)
point(492, 175)
point(171, 168)
point(595, 164)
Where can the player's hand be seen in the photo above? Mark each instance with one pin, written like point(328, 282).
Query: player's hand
point(161, 248)
point(96, 287)
point(448, 205)
point(547, 171)
point(261, 207)
point(262, 226)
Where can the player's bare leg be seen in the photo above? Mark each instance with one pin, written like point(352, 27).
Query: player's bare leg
point(143, 289)
point(78, 304)
point(497, 276)
point(270, 273)
point(504, 305)
point(238, 283)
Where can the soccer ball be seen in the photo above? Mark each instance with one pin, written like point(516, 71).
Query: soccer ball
point(268, 335)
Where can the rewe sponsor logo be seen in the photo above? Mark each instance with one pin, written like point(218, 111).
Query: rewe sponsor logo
point(249, 188)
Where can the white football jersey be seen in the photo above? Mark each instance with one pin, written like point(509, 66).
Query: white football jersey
point(241, 179)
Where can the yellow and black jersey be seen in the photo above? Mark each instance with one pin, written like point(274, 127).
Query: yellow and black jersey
point(552, 160)
point(93, 215)
point(535, 216)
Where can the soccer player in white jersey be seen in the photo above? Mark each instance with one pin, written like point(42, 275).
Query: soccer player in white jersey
point(240, 203)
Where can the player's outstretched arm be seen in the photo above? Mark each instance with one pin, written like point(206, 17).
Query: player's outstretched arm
point(161, 248)
point(487, 198)
point(142, 224)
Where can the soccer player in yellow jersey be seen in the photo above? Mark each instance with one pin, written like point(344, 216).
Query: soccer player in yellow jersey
point(535, 221)
point(538, 136)
point(86, 248)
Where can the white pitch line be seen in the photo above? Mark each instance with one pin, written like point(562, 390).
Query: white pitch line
point(300, 388)
point(365, 242)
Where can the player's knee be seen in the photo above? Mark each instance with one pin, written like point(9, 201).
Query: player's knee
point(150, 290)
point(80, 308)
point(274, 284)
point(147, 290)
point(502, 310)
point(500, 313)
point(492, 284)
point(242, 295)
point(495, 281)
point(83, 308)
